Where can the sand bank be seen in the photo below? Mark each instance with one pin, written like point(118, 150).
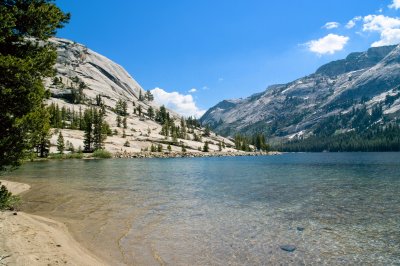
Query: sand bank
point(27, 239)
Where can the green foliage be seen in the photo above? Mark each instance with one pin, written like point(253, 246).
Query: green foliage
point(153, 148)
point(139, 110)
point(376, 138)
point(192, 122)
point(23, 66)
point(60, 143)
point(7, 200)
point(141, 98)
point(243, 142)
point(72, 155)
point(149, 96)
point(101, 154)
point(368, 132)
point(121, 108)
point(207, 131)
point(95, 130)
point(205, 147)
point(124, 123)
point(150, 112)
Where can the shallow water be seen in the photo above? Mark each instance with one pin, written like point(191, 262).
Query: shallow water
point(226, 211)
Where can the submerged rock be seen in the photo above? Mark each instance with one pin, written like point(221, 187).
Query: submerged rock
point(299, 228)
point(288, 248)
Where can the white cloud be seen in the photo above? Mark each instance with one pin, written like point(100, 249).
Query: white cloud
point(220, 79)
point(388, 37)
point(352, 23)
point(380, 23)
point(205, 88)
point(182, 104)
point(395, 5)
point(192, 90)
point(388, 27)
point(329, 44)
point(331, 25)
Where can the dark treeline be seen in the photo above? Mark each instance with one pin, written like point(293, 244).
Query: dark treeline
point(375, 139)
point(243, 142)
point(370, 131)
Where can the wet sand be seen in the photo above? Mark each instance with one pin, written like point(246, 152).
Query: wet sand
point(34, 240)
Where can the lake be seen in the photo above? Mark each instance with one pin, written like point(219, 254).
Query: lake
point(335, 208)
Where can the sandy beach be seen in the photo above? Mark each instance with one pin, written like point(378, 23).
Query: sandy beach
point(33, 240)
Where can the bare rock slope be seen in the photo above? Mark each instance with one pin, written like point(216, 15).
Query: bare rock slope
point(368, 79)
point(84, 75)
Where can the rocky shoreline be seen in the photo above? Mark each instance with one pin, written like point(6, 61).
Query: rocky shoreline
point(129, 155)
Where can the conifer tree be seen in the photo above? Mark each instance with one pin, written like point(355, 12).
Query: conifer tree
point(118, 121)
point(88, 137)
point(124, 123)
point(98, 133)
point(60, 143)
point(149, 96)
point(205, 147)
point(150, 112)
point(23, 66)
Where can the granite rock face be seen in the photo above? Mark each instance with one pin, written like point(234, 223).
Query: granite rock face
point(294, 109)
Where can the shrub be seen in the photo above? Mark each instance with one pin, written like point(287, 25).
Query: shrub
point(7, 200)
point(103, 154)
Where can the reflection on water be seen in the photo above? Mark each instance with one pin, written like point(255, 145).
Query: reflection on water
point(341, 208)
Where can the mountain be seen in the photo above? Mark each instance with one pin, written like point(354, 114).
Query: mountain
point(331, 101)
point(84, 78)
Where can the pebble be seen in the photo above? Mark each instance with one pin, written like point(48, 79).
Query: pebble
point(288, 248)
point(299, 228)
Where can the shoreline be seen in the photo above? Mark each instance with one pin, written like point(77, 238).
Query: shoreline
point(29, 239)
point(129, 155)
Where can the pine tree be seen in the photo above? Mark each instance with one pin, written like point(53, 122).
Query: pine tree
point(149, 96)
point(118, 121)
point(88, 137)
point(98, 133)
point(205, 147)
point(150, 112)
point(207, 131)
point(23, 66)
point(60, 143)
point(124, 123)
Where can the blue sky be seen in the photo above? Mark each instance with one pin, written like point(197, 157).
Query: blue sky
point(195, 53)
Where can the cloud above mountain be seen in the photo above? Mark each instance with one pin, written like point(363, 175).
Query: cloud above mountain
point(387, 27)
point(329, 44)
point(182, 104)
point(369, 26)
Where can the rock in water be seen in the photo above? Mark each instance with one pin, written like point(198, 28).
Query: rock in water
point(299, 228)
point(288, 248)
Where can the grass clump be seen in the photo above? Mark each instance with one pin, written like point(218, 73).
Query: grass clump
point(101, 154)
point(7, 200)
point(58, 156)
